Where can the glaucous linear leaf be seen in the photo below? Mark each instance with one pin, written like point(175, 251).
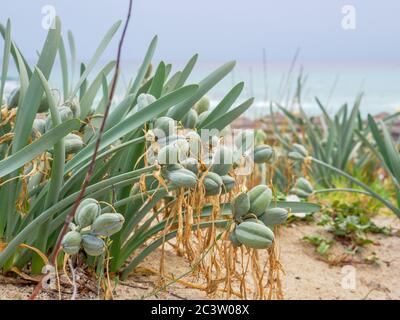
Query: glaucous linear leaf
point(229, 117)
point(99, 51)
point(143, 67)
point(64, 68)
point(6, 58)
point(158, 80)
point(30, 104)
point(187, 70)
point(14, 49)
point(90, 94)
point(31, 151)
point(224, 105)
point(180, 110)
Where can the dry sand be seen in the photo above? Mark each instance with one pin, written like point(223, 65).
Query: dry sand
point(306, 275)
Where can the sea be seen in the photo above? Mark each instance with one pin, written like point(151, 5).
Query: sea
point(334, 83)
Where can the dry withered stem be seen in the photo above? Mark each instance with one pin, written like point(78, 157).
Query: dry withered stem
point(70, 217)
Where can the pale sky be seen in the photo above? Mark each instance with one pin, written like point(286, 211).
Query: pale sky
point(220, 29)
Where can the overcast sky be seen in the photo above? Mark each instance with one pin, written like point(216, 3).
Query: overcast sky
point(220, 29)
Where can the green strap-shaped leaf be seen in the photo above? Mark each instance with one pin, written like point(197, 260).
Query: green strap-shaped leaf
point(23, 77)
point(30, 104)
point(158, 81)
point(31, 151)
point(224, 105)
point(64, 68)
point(14, 49)
point(57, 168)
point(187, 70)
point(180, 110)
point(118, 113)
point(143, 68)
point(225, 120)
point(99, 51)
point(90, 94)
point(298, 207)
point(72, 50)
point(6, 58)
point(393, 154)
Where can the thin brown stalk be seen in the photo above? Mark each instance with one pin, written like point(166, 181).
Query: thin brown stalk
point(89, 172)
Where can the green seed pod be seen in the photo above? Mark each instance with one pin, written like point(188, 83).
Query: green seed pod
point(172, 139)
point(240, 206)
point(92, 245)
point(164, 127)
point(168, 154)
point(212, 184)
point(107, 224)
point(250, 218)
point(38, 127)
point(75, 108)
point(144, 99)
point(254, 235)
point(172, 167)
point(71, 242)
point(195, 145)
point(35, 180)
point(304, 185)
point(228, 183)
point(261, 137)
point(181, 178)
point(234, 240)
point(191, 119)
point(65, 114)
point(295, 156)
point(299, 192)
point(73, 143)
point(191, 164)
point(12, 101)
point(300, 149)
point(222, 161)
point(263, 153)
point(260, 198)
point(203, 116)
point(202, 105)
point(274, 216)
point(87, 211)
point(244, 140)
point(150, 155)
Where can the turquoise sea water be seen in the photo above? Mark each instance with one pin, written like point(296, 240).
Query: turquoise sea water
point(333, 82)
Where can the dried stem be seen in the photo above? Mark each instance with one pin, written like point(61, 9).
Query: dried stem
point(89, 172)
